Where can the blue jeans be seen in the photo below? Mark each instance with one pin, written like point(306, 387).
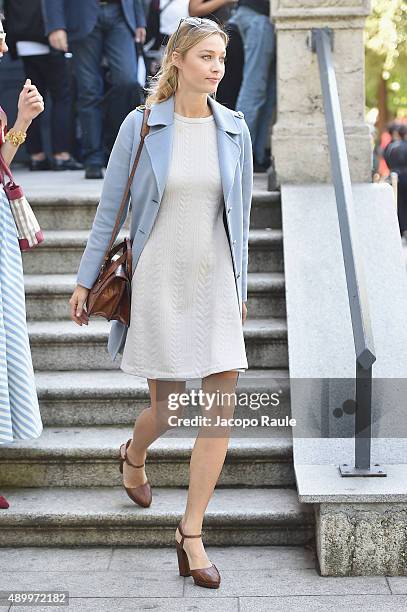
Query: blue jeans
point(257, 95)
point(111, 37)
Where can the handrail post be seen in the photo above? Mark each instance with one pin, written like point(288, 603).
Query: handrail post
point(321, 43)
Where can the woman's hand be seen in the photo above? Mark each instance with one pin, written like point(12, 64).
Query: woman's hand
point(30, 103)
point(244, 312)
point(77, 302)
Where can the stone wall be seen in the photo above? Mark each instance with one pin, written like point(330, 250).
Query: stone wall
point(299, 140)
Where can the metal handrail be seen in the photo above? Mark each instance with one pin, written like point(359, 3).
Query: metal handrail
point(321, 44)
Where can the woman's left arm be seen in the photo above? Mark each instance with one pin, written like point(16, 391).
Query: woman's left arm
point(247, 191)
point(30, 105)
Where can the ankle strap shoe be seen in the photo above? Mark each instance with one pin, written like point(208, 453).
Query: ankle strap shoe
point(141, 495)
point(208, 577)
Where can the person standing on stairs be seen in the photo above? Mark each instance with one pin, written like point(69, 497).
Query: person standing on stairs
point(258, 92)
point(191, 200)
point(93, 30)
point(20, 417)
point(49, 69)
point(228, 90)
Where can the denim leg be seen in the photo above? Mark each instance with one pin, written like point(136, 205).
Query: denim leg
point(259, 48)
point(87, 57)
point(262, 140)
point(58, 83)
point(120, 47)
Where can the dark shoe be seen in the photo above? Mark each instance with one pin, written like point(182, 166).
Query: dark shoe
point(93, 172)
point(205, 577)
point(66, 164)
point(142, 494)
point(40, 164)
point(261, 167)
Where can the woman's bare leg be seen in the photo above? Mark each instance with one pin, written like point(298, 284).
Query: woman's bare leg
point(206, 464)
point(151, 423)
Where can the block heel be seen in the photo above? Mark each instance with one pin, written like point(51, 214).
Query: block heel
point(183, 564)
point(208, 577)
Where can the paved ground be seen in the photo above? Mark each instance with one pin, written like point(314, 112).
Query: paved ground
point(253, 579)
point(74, 183)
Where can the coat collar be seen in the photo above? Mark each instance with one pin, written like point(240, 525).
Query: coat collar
point(162, 113)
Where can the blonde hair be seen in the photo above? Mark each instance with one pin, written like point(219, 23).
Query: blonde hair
point(164, 84)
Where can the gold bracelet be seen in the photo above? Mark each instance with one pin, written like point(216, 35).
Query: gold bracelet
point(16, 138)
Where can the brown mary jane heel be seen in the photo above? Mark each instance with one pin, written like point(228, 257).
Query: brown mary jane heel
point(205, 577)
point(141, 495)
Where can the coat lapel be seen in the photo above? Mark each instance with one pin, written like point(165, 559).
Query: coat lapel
point(158, 142)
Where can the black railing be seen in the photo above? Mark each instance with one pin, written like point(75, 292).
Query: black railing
point(321, 44)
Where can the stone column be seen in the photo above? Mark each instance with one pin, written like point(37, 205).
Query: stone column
point(299, 139)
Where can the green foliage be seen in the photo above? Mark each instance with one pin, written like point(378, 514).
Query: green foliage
point(386, 54)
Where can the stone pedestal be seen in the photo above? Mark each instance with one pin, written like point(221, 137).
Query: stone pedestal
point(361, 539)
point(361, 521)
point(299, 140)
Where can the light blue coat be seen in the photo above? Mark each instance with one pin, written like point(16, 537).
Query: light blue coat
point(236, 169)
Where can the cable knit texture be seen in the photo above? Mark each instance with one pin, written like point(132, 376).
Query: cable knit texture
point(185, 319)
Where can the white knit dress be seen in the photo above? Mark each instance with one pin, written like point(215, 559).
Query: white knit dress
point(185, 320)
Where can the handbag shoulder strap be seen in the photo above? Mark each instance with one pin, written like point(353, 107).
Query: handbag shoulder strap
point(4, 170)
point(143, 133)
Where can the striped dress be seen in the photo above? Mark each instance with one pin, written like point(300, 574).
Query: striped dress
point(20, 417)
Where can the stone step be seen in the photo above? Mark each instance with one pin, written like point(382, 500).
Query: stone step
point(61, 251)
point(64, 345)
point(47, 295)
point(59, 212)
point(105, 516)
point(266, 209)
point(89, 457)
point(266, 295)
point(111, 397)
point(266, 250)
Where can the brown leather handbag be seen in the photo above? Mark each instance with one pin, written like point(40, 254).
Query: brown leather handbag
point(110, 296)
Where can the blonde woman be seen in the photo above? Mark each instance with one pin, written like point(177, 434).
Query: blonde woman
point(191, 198)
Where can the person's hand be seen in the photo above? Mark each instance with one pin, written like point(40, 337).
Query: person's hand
point(3, 44)
point(140, 35)
point(244, 312)
point(30, 103)
point(77, 302)
point(59, 40)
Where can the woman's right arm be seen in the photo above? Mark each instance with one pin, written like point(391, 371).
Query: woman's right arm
point(201, 8)
point(114, 184)
point(30, 105)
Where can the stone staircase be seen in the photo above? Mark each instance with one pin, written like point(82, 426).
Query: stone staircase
point(65, 487)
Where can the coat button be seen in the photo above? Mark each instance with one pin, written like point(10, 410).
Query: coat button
point(234, 242)
point(229, 209)
point(237, 275)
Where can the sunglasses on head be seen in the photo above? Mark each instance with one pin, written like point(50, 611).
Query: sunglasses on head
point(193, 21)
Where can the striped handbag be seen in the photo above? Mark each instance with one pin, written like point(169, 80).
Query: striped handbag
point(28, 230)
